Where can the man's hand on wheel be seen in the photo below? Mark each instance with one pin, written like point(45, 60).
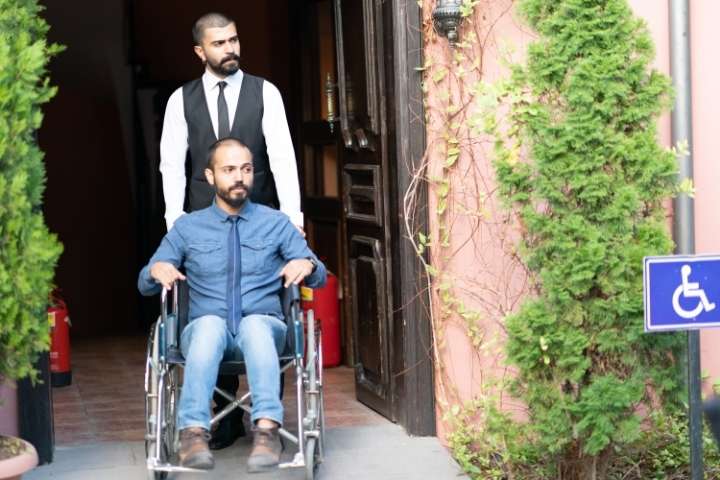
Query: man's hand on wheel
point(296, 270)
point(166, 274)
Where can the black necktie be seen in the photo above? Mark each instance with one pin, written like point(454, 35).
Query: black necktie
point(234, 296)
point(223, 116)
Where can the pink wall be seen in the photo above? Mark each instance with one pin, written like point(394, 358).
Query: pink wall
point(705, 37)
point(488, 278)
point(480, 253)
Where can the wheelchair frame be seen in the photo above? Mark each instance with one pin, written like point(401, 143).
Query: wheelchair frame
point(162, 388)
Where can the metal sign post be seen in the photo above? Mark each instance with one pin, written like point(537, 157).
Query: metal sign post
point(682, 292)
point(684, 219)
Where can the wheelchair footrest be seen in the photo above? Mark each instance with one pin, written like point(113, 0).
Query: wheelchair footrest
point(297, 462)
point(168, 467)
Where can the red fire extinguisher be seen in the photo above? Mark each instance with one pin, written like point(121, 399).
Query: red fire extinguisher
point(60, 372)
point(326, 306)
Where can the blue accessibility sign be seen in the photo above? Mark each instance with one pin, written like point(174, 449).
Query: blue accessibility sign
point(681, 292)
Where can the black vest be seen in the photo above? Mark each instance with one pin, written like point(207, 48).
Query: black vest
point(246, 127)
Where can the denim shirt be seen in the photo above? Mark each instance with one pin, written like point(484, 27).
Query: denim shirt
point(198, 241)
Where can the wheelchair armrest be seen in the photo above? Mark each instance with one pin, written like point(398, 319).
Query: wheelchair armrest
point(171, 320)
point(290, 298)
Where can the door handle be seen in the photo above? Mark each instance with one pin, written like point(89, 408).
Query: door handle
point(362, 138)
point(347, 137)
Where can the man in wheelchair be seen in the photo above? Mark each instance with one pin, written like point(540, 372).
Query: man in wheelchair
point(237, 255)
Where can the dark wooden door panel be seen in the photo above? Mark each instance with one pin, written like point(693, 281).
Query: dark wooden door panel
point(370, 328)
point(358, 31)
point(363, 193)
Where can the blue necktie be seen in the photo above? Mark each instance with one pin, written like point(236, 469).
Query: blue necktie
point(223, 115)
point(234, 297)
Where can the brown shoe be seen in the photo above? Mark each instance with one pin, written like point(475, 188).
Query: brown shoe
point(266, 450)
point(194, 451)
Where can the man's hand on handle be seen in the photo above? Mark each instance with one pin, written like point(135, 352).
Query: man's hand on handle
point(166, 274)
point(296, 270)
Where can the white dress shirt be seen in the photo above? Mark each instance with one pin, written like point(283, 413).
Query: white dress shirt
point(174, 144)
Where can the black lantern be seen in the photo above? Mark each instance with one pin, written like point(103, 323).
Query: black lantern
point(447, 18)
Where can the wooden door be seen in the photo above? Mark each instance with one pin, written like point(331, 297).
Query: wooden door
point(364, 181)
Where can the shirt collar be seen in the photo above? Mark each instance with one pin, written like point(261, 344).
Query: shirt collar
point(244, 213)
point(210, 81)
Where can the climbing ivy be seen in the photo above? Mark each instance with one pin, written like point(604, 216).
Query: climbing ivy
point(28, 252)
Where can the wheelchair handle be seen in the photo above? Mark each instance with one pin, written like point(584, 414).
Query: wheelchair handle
point(163, 301)
point(294, 292)
point(168, 324)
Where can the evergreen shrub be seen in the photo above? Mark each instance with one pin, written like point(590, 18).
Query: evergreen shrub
point(590, 201)
point(28, 251)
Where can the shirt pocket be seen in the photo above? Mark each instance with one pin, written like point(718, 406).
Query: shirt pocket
point(206, 258)
point(255, 254)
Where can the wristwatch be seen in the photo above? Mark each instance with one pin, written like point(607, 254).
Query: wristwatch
point(314, 263)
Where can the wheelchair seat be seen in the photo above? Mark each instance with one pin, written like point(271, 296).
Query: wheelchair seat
point(227, 367)
point(289, 300)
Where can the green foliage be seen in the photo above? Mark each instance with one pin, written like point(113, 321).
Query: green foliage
point(662, 451)
point(489, 447)
point(590, 200)
point(28, 252)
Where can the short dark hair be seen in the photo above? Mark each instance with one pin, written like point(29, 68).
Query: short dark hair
point(209, 20)
point(224, 142)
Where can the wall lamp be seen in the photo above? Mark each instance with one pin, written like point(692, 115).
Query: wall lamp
point(447, 18)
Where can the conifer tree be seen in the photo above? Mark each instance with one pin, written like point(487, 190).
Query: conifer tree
point(589, 198)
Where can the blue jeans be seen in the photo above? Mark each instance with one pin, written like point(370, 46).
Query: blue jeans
point(206, 341)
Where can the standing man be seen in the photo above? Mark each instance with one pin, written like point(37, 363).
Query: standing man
point(226, 102)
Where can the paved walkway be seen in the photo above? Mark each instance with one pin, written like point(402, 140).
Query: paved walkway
point(378, 452)
point(99, 427)
point(105, 401)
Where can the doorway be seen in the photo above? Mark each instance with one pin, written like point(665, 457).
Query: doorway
point(330, 60)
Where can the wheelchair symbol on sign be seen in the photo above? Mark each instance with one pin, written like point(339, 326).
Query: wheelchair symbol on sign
point(690, 289)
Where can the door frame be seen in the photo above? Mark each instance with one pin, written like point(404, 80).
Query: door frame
point(412, 352)
point(411, 356)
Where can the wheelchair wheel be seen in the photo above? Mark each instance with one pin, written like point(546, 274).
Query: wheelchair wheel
point(313, 398)
point(310, 457)
point(321, 403)
point(172, 397)
point(151, 377)
point(151, 402)
point(160, 406)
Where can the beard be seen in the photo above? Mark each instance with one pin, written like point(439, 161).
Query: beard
point(235, 195)
point(227, 66)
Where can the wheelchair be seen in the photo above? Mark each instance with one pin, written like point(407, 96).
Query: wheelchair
point(163, 386)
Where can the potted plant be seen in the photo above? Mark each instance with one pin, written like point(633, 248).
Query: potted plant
point(16, 457)
point(28, 251)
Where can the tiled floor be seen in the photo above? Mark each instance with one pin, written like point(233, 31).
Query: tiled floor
point(106, 399)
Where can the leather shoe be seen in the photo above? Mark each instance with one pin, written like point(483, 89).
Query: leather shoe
point(266, 451)
point(194, 451)
point(229, 429)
